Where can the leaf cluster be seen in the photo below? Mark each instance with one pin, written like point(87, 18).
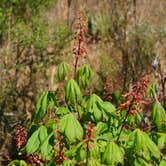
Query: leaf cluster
point(85, 130)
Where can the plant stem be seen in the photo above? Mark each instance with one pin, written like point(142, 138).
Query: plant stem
point(77, 58)
point(87, 152)
point(75, 67)
point(123, 123)
point(75, 71)
point(79, 116)
point(162, 84)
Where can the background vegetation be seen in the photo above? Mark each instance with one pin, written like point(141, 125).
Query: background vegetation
point(123, 39)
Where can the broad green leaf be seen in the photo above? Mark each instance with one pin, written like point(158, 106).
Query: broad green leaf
point(139, 139)
point(102, 144)
point(161, 140)
point(33, 142)
point(93, 162)
point(143, 145)
point(105, 137)
point(43, 106)
point(63, 69)
point(43, 133)
point(97, 113)
point(62, 111)
point(105, 116)
point(71, 127)
point(39, 141)
point(152, 147)
point(63, 122)
point(67, 91)
point(68, 163)
point(78, 92)
point(23, 163)
point(92, 105)
point(38, 106)
point(158, 115)
point(84, 75)
point(99, 109)
point(162, 163)
point(81, 154)
point(101, 127)
point(18, 163)
point(46, 148)
point(108, 108)
point(51, 100)
point(124, 138)
point(140, 162)
point(113, 154)
point(151, 90)
point(95, 150)
point(47, 99)
point(72, 92)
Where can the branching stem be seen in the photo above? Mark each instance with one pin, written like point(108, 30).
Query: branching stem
point(123, 123)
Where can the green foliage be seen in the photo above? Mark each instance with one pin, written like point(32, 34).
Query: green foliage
point(151, 90)
point(142, 146)
point(47, 99)
point(72, 92)
point(113, 154)
point(161, 140)
point(133, 120)
point(96, 144)
point(158, 116)
point(39, 141)
point(71, 127)
point(162, 163)
point(61, 111)
point(84, 75)
point(98, 109)
point(63, 69)
point(88, 130)
point(17, 163)
point(46, 148)
point(33, 143)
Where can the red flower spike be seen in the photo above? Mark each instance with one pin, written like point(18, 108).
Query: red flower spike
point(21, 137)
point(135, 97)
point(108, 89)
point(126, 95)
point(132, 112)
point(144, 102)
point(90, 146)
point(80, 49)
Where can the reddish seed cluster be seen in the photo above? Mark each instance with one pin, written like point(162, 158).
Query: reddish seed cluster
point(135, 98)
point(108, 90)
point(59, 159)
point(21, 137)
point(34, 159)
point(90, 136)
point(59, 154)
point(80, 49)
